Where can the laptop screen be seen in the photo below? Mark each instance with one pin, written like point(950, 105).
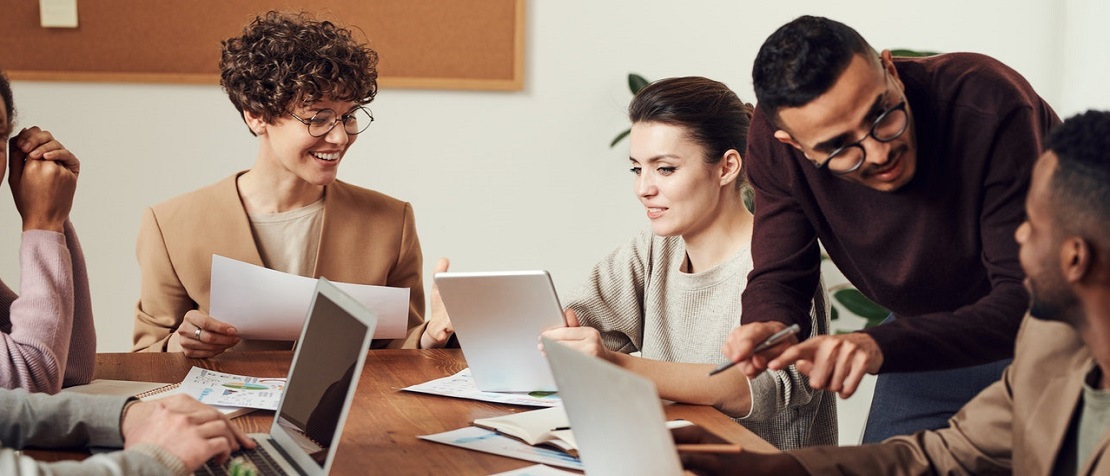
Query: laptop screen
point(331, 348)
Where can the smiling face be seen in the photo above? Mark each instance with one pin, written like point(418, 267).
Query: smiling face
point(681, 192)
point(287, 147)
point(1040, 254)
point(845, 114)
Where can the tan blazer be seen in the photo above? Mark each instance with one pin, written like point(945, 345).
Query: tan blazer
point(1017, 425)
point(367, 238)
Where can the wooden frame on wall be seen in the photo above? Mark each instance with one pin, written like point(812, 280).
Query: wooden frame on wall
point(430, 44)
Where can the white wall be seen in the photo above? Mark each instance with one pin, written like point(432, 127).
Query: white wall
point(507, 180)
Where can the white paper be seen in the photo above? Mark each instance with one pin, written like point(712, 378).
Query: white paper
point(461, 385)
point(266, 304)
point(58, 13)
point(536, 470)
point(478, 439)
point(231, 390)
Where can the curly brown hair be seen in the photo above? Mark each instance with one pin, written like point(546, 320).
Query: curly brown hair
point(286, 59)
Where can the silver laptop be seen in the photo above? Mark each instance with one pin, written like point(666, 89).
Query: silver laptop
point(498, 317)
point(616, 416)
point(320, 388)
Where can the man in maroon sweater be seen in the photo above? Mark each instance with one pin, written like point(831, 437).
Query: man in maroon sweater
point(912, 173)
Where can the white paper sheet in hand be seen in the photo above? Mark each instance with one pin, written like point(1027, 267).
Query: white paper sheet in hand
point(266, 304)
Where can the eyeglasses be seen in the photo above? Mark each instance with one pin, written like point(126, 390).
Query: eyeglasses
point(890, 125)
point(321, 123)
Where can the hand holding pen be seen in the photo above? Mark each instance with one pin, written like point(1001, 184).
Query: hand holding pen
point(772, 341)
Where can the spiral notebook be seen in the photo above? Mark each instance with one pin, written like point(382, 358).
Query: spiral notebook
point(145, 391)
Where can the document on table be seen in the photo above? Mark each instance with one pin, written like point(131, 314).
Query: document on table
point(461, 385)
point(266, 304)
point(536, 470)
point(486, 441)
point(224, 390)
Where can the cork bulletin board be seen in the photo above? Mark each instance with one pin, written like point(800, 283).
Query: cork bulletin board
point(432, 44)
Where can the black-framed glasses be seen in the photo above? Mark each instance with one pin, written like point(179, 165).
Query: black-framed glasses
point(890, 125)
point(321, 123)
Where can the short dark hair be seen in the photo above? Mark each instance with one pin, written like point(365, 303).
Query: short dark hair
point(802, 60)
point(281, 58)
point(9, 104)
point(712, 114)
point(1080, 187)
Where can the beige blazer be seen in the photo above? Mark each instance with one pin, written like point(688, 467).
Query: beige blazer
point(367, 238)
point(1017, 425)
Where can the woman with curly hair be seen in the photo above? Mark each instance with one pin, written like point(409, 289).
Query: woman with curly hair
point(301, 86)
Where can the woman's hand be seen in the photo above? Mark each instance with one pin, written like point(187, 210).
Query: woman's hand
point(43, 179)
point(439, 329)
point(584, 339)
point(201, 336)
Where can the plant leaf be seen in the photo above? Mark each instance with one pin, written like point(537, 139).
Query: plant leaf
point(856, 302)
point(618, 138)
point(636, 83)
point(911, 53)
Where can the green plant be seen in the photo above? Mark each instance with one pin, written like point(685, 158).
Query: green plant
point(911, 53)
point(635, 84)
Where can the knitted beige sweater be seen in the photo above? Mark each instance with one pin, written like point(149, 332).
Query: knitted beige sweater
point(641, 301)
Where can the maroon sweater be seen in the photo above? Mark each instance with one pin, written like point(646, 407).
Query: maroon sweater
point(940, 251)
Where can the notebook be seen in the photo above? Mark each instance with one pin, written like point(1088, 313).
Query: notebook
point(616, 415)
point(322, 378)
point(498, 317)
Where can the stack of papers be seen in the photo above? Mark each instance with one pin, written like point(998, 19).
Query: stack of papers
point(461, 385)
point(232, 394)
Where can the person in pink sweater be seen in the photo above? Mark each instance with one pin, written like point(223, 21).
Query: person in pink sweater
point(47, 339)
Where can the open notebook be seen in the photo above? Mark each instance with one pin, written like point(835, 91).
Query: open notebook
point(322, 379)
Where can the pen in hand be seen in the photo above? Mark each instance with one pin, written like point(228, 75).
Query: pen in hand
point(767, 344)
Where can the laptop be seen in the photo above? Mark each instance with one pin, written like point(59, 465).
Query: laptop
point(616, 415)
point(498, 317)
point(320, 388)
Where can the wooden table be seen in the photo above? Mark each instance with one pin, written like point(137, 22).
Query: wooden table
point(380, 436)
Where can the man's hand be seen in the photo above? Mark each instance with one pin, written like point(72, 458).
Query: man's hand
point(584, 339)
point(745, 338)
point(836, 363)
point(439, 329)
point(43, 177)
point(190, 430)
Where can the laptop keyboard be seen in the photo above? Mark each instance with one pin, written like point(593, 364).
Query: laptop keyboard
point(258, 456)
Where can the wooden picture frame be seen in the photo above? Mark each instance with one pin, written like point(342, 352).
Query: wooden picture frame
point(430, 44)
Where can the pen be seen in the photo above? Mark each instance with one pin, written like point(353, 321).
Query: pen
point(767, 344)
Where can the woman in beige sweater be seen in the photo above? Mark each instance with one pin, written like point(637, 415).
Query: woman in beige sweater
point(673, 293)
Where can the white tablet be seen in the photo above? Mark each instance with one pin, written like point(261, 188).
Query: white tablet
point(498, 317)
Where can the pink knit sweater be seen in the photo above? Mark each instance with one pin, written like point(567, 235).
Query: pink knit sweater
point(47, 340)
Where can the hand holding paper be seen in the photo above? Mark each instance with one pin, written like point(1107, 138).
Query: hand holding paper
point(266, 304)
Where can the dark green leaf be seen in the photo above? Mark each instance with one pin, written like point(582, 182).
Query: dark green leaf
point(874, 322)
point(618, 138)
point(636, 83)
point(833, 313)
point(912, 53)
point(856, 302)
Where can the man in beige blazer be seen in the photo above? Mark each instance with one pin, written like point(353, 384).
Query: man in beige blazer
point(1050, 412)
